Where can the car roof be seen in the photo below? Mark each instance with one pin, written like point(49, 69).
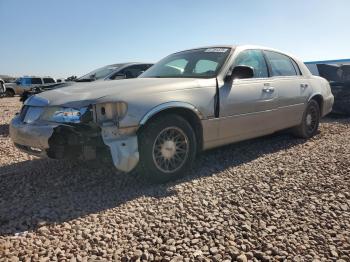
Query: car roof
point(244, 47)
point(241, 47)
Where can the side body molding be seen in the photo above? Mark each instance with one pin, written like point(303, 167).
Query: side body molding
point(167, 105)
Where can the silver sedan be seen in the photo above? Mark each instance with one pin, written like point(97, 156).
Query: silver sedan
point(188, 102)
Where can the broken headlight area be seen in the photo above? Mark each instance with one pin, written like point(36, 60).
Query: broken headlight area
point(65, 115)
point(109, 113)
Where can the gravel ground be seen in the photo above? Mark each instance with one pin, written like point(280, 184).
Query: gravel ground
point(267, 199)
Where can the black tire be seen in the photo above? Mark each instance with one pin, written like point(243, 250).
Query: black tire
point(310, 122)
point(2, 89)
point(10, 92)
point(152, 160)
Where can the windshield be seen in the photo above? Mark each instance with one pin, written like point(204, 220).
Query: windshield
point(98, 73)
point(198, 63)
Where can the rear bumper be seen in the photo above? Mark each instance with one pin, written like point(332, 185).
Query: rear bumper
point(327, 105)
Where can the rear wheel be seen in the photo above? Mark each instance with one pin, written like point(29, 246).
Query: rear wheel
point(167, 148)
point(310, 122)
point(10, 92)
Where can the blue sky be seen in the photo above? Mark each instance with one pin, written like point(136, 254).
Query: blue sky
point(71, 37)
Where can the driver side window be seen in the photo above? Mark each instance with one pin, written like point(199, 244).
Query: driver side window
point(254, 59)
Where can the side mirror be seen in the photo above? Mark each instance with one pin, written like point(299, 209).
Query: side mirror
point(240, 72)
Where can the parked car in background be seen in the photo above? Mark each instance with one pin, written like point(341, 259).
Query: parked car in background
point(109, 72)
point(188, 102)
point(338, 76)
point(26, 83)
point(115, 72)
point(2, 88)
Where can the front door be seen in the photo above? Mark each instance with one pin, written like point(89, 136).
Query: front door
point(248, 106)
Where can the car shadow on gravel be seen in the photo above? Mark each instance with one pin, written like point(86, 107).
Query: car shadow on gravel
point(43, 191)
point(4, 130)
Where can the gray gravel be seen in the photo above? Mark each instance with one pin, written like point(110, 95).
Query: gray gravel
point(267, 199)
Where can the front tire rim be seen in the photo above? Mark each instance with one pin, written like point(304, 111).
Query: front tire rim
point(311, 119)
point(170, 149)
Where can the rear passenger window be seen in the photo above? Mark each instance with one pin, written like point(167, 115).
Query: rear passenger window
point(36, 81)
point(254, 59)
point(48, 80)
point(281, 65)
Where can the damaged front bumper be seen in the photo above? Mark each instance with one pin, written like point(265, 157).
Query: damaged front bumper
point(31, 138)
point(47, 139)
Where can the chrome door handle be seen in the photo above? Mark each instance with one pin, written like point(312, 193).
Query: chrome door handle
point(268, 89)
point(304, 85)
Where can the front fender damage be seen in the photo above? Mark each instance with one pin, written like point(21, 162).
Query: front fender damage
point(124, 148)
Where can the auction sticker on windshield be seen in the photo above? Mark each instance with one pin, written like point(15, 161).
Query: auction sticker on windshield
point(216, 50)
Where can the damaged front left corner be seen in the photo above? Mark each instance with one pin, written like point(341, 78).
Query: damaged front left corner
point(124, 149)
point(122, 143)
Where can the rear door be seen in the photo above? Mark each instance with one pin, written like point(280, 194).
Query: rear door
point(248, 105)
point(291, 87)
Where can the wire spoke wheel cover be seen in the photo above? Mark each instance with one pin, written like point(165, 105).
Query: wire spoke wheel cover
point(170, 149)
point(311, 119)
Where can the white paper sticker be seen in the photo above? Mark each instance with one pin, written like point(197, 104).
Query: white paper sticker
point(216, 50)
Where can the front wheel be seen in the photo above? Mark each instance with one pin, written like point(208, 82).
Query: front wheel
point(310, 122)
point(167, 147)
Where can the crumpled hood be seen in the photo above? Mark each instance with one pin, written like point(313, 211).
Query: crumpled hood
point(82, 94)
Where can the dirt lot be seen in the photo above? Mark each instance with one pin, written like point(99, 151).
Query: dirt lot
point(268, 199)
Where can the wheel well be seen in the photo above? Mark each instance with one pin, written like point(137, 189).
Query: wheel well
point(187, 114)
point(319, 100)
